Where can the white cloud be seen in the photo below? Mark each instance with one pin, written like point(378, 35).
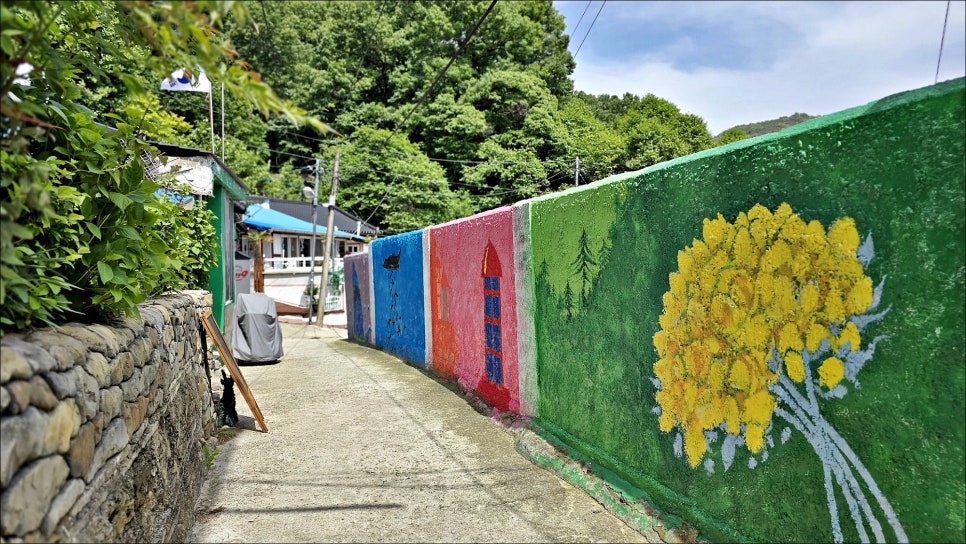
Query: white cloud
point(815, 57)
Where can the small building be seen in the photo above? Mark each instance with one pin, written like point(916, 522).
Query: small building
point(286, 255)
point(351, 231)
point(224, 193)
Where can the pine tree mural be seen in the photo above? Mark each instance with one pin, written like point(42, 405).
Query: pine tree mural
point(568, 302)
point(584, 266)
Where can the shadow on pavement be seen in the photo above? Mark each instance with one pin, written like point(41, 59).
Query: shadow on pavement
point(313, 508)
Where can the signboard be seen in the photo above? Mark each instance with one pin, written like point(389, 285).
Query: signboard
point(243, 274)
point(211, 327)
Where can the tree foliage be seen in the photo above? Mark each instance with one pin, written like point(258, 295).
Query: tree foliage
point(418, 145)
point(731, 135)
point(771, 125)
point(82, 231)
point(503, 122)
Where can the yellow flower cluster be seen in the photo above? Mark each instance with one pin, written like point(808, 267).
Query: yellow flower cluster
point(768, 280)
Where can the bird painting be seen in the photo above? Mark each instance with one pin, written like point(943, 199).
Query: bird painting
point(392, 262)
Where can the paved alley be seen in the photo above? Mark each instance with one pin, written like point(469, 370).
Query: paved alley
point(364, 448)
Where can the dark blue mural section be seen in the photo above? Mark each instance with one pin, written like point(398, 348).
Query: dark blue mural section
point(397, 278)
point(358, 299)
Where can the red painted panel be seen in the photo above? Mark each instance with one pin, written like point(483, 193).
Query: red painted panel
point(464, 250)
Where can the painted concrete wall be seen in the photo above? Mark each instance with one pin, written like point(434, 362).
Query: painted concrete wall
point(399, 319)
point(358, 297)
point(765, 340)
point(472, 292)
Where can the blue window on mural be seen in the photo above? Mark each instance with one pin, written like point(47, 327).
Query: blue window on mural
point(491, 310)
point(492, 306)
point(494, 369)
point(493, 337)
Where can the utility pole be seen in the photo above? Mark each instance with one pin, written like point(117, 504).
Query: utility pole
point(329, 232)
point(577, 172)
point(315, 208)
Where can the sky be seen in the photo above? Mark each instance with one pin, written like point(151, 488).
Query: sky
point(733, 63)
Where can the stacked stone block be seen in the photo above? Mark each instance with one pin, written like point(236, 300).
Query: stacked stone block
point(102, 427)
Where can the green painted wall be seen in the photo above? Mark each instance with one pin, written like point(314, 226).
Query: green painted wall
point(217, 273)
point(222, 295)
point(896, 168)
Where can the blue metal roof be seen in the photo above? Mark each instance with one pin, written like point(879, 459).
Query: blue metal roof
point(260, 218)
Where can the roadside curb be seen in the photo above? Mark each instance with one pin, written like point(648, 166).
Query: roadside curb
point(636, 513)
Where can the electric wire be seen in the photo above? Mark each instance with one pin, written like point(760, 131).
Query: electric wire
point(550, 164)
point(442, 72)
point(434, 159)
point(362, 58)
point(591, 28)
point(574, 31)
point(404, 155)
point(358, 169)
point(439, 76)
point(942, 41)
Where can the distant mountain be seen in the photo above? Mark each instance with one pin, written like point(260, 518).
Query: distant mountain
point(774, 125)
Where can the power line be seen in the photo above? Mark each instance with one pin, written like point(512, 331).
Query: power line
point(941, 41)
point(434, 159)
point(459, 51)
point(374, 210)
point(443, 71)
point(393, 153)
point(356, 169)
point(362, 58)
point(582, 16)
point(591, 28)
point(270, 150)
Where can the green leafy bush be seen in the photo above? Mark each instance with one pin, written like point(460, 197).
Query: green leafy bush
point(82, 233)
point(82, 228)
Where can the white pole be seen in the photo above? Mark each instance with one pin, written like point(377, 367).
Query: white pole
point(330, 230)
point(222, 121)
point(211, 122)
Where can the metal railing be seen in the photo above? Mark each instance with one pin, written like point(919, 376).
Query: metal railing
point(299, 264)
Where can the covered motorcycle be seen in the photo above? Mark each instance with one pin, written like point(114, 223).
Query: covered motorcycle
point(256, 336)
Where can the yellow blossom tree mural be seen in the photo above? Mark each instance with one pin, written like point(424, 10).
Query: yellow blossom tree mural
point(763, 319)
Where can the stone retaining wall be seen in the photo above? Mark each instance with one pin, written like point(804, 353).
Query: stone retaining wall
point(103, 425)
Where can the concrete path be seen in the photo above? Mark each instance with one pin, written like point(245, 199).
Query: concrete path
point(364, 448)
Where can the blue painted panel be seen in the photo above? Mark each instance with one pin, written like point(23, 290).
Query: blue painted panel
point(397, 273)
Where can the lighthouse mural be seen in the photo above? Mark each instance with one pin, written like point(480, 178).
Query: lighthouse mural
point(491, 320)
point(471, 285)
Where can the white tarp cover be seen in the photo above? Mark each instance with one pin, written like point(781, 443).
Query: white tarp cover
point(257, 336)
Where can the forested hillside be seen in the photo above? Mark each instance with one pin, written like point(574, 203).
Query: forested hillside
point(435, 117)
point(772, 125)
